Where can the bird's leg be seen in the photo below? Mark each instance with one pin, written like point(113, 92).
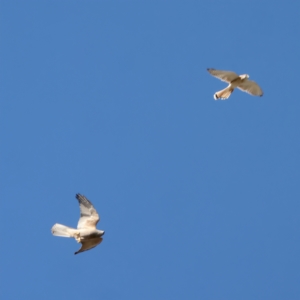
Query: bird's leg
point(77, 237)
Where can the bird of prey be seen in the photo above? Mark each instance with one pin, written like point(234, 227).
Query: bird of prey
point(235, 81)
point(86, 233)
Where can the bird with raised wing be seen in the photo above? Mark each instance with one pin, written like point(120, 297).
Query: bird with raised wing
point(86, 233)
point(235, 81)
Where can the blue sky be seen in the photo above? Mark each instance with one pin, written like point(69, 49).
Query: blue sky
point(199, 198)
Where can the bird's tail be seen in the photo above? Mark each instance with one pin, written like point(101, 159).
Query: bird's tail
point(62, 230)
point(224, 94)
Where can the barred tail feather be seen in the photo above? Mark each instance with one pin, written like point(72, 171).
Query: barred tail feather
point(224, 94)
point(62, 230)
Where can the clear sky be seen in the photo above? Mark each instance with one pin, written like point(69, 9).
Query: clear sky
point(199, 199)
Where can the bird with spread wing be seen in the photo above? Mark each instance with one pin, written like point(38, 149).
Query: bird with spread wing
point(235, 81)
point(86, 233)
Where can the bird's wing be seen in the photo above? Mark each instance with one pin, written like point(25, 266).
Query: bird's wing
point(250, 87)
point(89, 244)
point(226, 76)
point(88, 214)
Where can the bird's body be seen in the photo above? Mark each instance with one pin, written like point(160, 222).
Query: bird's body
point(235, 81)
point(86, 233)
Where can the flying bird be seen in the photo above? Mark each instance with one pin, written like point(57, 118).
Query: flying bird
point(235, 81)
point(86, 233)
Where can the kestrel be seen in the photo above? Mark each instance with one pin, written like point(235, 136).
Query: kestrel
point(235, 81)
point(86, 232)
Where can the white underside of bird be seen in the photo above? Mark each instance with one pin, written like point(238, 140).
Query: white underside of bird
point(235, 81)
point(86, 233)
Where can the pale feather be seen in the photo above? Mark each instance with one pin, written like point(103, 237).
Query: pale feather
point(250, 87)
point(89, 244)
point(64, 231)
point(88, 214)
point(226, 76)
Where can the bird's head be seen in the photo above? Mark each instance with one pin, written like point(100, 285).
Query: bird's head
point(244, 76)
